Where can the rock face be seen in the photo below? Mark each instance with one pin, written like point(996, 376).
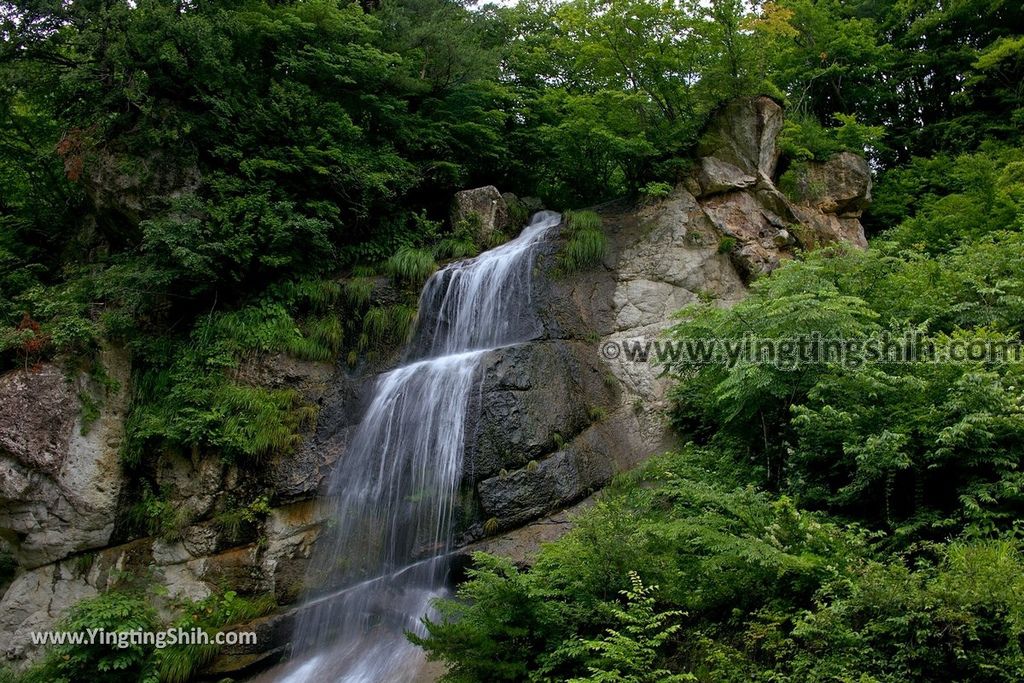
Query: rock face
point(559, 416)
point(59, 471)
point(744, 134)
point(551, 422)
point(840, 185)
point(484, 205)
point(717, 176)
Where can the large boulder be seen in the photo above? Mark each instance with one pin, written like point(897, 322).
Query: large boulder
point(716, 176)
point(483, 206)
point(60, 474)
point(840, 185)
point(563, 478)
point(745, 134)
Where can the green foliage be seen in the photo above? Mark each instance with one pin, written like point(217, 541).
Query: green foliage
point(358, 291)
point(586, 245)
point(113, 612)
point(120, 612)
point(236, 518)
point(518, 213)
point(924, 456)
point(154, 515)
point(804, 139)
point(411, 265)
point(726, 245)
point(498, 607)
point(462, 242)
point(944, 202)
point(742, 548)
point(386, 325)
point(656, 190)
point(180, 663)
point(629, 652)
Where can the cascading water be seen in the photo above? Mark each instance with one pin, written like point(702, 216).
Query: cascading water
point(385, 547)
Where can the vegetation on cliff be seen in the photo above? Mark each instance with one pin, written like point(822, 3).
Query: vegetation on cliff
point(193, 180)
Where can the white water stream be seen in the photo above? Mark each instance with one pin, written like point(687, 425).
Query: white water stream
point(385, 548)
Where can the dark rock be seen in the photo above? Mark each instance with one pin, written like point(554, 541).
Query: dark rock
point(533, 399)
point(554, 482)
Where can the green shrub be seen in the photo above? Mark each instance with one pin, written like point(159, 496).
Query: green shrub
point(386, 325)
point(113, 612)
point(154, 515)
point(656, 190)
point(411, 265)
point(180, 663)
point(805, 139)
point(629, 651)
point(577, 221)
point(586, 244)
point(518, 213)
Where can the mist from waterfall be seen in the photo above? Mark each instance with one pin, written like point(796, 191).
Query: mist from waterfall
point(384, 551)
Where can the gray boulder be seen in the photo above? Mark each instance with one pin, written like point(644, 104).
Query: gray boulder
point(485, 205)
point(60, 474)
point(717, 176)
point(745, 134)
point(841, 185)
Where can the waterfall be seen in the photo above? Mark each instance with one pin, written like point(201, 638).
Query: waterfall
point(385, 545)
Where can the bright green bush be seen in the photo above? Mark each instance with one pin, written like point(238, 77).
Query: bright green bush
point(586, 245)
point(113, 612)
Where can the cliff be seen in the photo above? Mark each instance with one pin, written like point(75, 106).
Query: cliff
point(554, 418)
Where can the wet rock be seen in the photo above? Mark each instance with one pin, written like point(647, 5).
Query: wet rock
point(556, 481)
point(533, 398)
point(291, 532)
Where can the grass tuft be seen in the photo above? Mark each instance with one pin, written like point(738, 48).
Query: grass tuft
point(586, 245)
point(411, 265)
